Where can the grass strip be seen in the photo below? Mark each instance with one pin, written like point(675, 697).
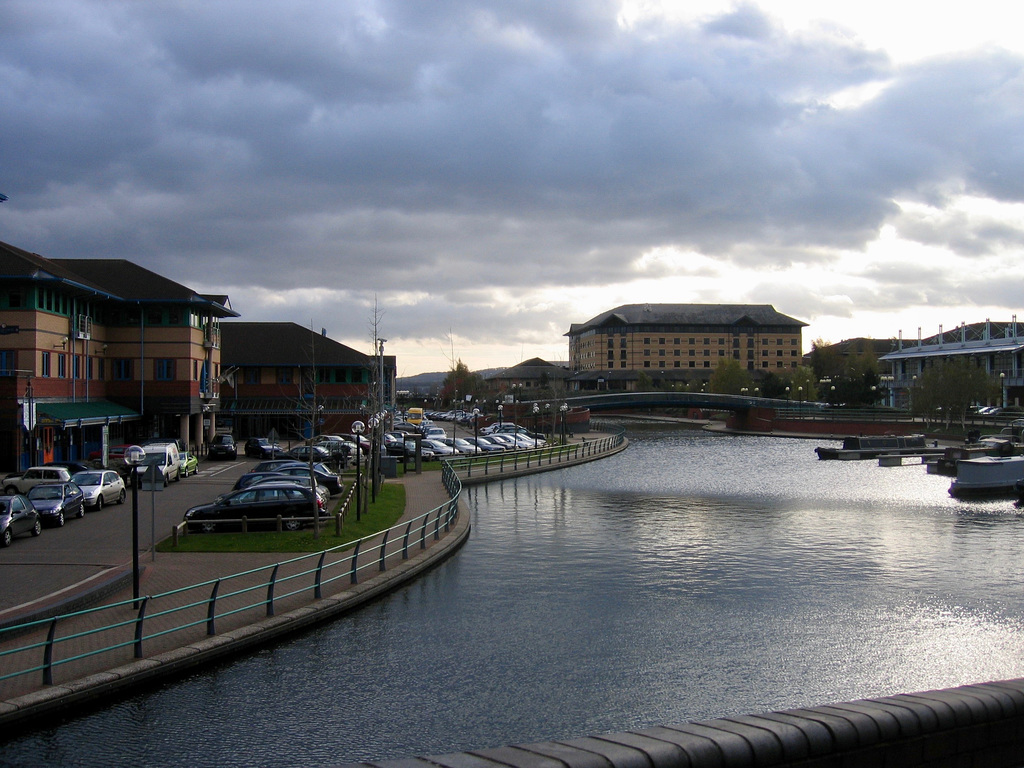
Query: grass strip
point(379, 516)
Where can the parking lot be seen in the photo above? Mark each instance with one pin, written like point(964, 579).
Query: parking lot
point(100, 544)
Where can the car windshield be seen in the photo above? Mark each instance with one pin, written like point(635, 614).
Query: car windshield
point(88, 478)
point(46, 492)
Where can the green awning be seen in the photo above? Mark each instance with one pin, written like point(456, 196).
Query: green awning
point(83, 413)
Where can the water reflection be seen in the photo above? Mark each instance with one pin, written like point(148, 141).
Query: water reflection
point(692, 576)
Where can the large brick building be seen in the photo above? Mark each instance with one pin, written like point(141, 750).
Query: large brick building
point(688, 339)
point(101, 351)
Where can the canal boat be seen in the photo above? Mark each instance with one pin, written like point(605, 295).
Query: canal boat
point(954, 454)
point(855, 448)
point(987, 476)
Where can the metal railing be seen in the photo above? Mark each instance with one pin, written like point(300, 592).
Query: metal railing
point(493, 463)
point(142, 625)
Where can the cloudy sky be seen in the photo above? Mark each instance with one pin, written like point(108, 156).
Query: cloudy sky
point(479, 174)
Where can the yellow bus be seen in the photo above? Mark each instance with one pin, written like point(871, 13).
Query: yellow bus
point(414, 416)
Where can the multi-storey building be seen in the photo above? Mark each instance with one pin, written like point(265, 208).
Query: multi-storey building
point(688, 339)
point(996, 347)
point(95, 352)
point(283, 377)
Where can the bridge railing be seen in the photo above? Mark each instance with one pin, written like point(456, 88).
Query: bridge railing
point(109, 635)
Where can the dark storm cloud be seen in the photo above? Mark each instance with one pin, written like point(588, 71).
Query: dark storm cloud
point(452, 148)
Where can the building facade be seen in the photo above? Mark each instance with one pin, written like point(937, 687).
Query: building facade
point(997, 347)
point(286, 379)
point(96, 352)
point(687, 339)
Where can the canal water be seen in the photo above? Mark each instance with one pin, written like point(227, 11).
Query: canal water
point(691, 576)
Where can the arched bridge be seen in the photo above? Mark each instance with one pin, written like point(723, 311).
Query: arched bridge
point(708, 401)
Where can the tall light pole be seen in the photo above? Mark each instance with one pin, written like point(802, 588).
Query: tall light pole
point(476, 433)
point(372, 424)
point(536, 413)
point(133, 457)
point(500, 409)
point(563, 409)
point(357, 429)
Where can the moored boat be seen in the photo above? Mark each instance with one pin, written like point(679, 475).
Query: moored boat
point(872, 447)
point(987, 476)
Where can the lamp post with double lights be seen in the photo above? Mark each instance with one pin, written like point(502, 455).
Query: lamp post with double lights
point(372, 424)
point(357, 429)
point(563, 409)
point(476, 432)
point(500, 409)
point(536, 414)
point(133, 457)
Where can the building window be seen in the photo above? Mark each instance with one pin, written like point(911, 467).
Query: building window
point(707, 363)
point(7, 364)
point(676, 365)
point(647, 363)
point(661, 363)
point(284, 375)
point(76, 367)
point(62, 366)
point(647, 340)
point(693, 363)
point(45, 369)
point(123, 369)
point(252, 375)
point(164, 369)
point(101, 369)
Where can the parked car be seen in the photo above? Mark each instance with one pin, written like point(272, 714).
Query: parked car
point(484, 444)
point(17, 516)
point(189, 463)
point(323, 474)
point(56, 502)
point(460, 445)
point(262, 448)
point(166, 456)
point(302, 453)
point(70, 466)
point(222, 447)
point(439, 448)
point(434, 433)
point(260, 505)
point(33, 476)
point(100, 486)
point(507, 441)
point(335, 445)
point(271, 465)
point(322, 493)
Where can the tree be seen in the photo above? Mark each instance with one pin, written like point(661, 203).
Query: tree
point(803, 384)
point(729, 378)
point(946, 390)
point(460, 382)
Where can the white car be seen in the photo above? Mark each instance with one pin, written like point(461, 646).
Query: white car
point(104, 486)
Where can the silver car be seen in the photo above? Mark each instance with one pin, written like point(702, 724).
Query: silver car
point(103, 486)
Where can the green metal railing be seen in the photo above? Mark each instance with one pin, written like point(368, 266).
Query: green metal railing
point(491, 463)
point(140, 623)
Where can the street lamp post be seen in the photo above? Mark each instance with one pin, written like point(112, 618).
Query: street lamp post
point(563, 410)
point(1002, 384)
point(476, 433)
point(357, 429)
point(133, 457)
point(500, 409)
point(372, 424)
point(536, 413)
point(548, 420)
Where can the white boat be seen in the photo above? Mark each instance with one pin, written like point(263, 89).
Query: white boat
point(987, 475)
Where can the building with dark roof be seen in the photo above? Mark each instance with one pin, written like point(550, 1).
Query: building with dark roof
point(997, 347)
point(96, 352)
point(687, 339)
point(531, 378)
point(282, 376)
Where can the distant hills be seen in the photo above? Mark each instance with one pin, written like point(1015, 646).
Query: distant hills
point(428, 383)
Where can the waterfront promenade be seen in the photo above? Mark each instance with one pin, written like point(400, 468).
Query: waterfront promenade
point(196, 608)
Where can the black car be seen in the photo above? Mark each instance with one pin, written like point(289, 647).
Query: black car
point(324, 476)
point(222, 447)
point(262, 448)
point(17, 515)
point(260, 506)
